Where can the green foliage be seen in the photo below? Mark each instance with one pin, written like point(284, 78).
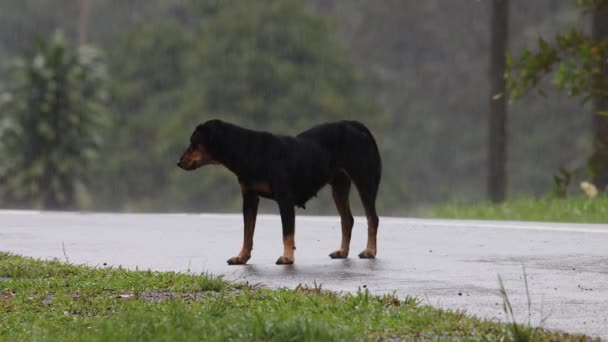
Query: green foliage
point(519, 333)
point(52, 301)
point(273, 67)
point(573, 58)
point(561, 181)
point(421, 60)
point(579, 63)
point(50, 132)
point(147, 65)
point(592, 5)
point(576, 60)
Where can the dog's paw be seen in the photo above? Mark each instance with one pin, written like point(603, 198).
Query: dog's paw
point(237, 260)
point(339, 254)
point(284, 261)
point(367, 254)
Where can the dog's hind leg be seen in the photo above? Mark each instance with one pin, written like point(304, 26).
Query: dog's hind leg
point(367, 192)
point(340, 189)
point(250, 212)
point(288, 221)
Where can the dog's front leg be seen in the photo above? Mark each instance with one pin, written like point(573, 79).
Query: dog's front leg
point(250, 212)
point(288, 221)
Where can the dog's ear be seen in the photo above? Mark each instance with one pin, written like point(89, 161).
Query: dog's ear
point(197, 136)
point(206, 133)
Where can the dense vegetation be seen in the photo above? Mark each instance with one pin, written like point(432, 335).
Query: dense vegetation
point(577, 60)
point(415, 72)
point(272, 68)
point(53, 124)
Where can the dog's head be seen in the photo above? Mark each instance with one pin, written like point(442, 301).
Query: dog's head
point(197, 154)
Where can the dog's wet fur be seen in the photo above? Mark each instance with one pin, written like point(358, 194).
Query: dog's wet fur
point(291, 170)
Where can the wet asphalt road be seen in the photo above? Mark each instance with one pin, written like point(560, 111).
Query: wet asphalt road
point(448, 264)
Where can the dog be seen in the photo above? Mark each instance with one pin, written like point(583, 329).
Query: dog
point(291, 170)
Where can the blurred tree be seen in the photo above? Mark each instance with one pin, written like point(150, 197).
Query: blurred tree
point(83, 21)
point(497, 147)
point(599, 159)
point(421, 61)
point(276, 66)
point(424, 61)
point(147, 64)
point(579, 62)
point(271, 66)
point(51, 130)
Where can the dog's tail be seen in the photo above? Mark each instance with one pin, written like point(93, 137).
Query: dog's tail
point(376, 153)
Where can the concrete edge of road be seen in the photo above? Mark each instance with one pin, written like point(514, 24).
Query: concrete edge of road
point(420, 222)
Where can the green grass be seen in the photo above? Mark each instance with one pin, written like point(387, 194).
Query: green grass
point(573, 209)
point(54, 301)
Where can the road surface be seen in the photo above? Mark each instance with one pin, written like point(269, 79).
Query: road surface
point(445, 263)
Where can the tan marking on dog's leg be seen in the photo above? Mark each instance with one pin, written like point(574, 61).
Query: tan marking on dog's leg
point(288, 225)
point(340, 194)
point(289, 246)
point(249, 228)
point(250, 210)
point(262, 187)
point(372, 232)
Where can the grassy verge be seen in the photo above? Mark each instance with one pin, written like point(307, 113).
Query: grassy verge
point(54, 301)
point(573, 209)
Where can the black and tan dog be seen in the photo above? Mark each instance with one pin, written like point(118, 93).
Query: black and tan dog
point(291, 170)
